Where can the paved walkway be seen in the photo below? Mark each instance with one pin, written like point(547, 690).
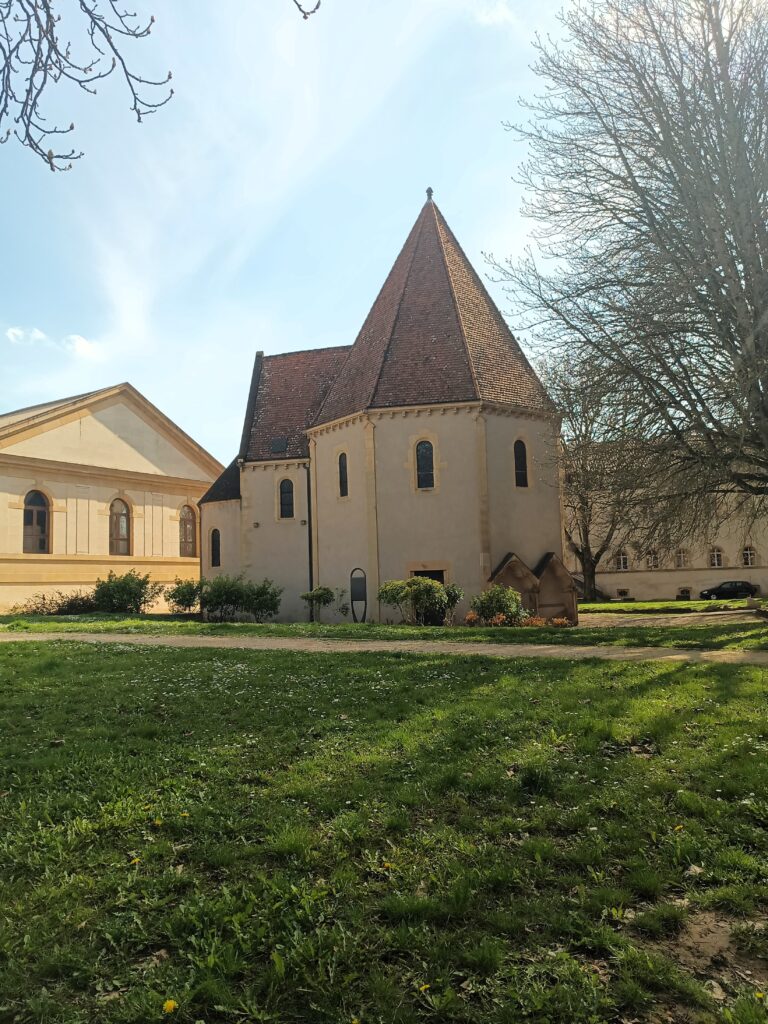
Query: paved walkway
point(318, 646)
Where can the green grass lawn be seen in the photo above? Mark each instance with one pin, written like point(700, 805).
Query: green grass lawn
point(277, 837)
point(734, 636)
point(660, 607)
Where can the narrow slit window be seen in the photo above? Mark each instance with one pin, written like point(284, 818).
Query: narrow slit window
point(425, 466)
point(286, 499)
point(343, 476)
point(187, 532)
point(521, 464)
point(119, 528)
point(37, 524)
point(215, 548)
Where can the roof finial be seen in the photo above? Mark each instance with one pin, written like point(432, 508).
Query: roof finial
point(430, 193)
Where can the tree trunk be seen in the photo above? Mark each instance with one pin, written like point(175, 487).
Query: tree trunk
point(589, 572)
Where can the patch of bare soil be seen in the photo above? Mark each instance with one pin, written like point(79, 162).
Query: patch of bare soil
point(706, 948)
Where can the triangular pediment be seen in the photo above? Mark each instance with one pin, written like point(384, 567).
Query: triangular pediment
point(115, 428)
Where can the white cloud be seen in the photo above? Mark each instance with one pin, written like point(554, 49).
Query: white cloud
point(81, 348)
point(74, 345)
point(25, 335)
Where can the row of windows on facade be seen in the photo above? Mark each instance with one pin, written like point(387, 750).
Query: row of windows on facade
point(715, 559)
point(37, 527)
point(425, 474)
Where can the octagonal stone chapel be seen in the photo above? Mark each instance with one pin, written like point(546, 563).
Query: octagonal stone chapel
point(428, 447)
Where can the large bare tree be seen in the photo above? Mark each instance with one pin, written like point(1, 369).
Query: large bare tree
point(37, 53)
point(619, 490)
point(648, 180)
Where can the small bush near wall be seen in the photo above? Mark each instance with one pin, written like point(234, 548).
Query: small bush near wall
point(419, 600)
point(227, 598)
point(183, 597)
point(57, 603)
point(130, 593)
point(317, 599)
point(499, 606)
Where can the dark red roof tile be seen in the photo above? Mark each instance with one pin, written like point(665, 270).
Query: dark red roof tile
point(432, 336)
point(287, 393)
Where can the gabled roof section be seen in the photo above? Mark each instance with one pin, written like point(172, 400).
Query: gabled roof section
point(286, 394)
point(15, 425)
point(31, 412)
point(433, 336)
point(224, 488)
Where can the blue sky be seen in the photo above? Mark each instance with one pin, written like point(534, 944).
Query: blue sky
point(263, 207)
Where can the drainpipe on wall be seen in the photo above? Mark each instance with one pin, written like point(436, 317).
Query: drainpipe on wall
point(309, 540)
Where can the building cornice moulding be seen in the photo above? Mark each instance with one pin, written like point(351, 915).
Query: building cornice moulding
point(418, 411)
point(26, 465)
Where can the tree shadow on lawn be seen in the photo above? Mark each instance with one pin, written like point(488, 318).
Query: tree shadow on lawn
point(382, 836)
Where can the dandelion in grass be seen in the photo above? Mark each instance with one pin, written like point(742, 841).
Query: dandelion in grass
point(136, 860)
point(170, 1006)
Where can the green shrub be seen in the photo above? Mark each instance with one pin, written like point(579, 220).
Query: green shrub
point(184, 596)
point(419, 599)
point(58, 603)
point(499, 605)
point(226, 598)
point(130, 593)
point(317, 599)
point(453, 594)
point(262, 600)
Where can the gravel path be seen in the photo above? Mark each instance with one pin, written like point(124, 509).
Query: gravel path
point(441, 647)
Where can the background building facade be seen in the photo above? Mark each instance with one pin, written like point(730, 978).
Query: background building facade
point(99, 482)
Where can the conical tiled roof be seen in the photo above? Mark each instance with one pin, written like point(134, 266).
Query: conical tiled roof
point(433, 336)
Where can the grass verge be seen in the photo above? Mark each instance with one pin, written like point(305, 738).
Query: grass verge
point(372, 838)
point(660, 607)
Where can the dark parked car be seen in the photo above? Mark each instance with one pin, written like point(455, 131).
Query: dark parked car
point(729, 589)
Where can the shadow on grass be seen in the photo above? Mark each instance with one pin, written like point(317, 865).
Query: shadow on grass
point(382, 836)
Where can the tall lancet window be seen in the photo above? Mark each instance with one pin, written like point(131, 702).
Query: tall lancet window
point(343, 476)
point(521, 464)
point(286, 499)
point(425, 466)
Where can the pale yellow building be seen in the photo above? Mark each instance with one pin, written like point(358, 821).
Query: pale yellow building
point(102, 481)
point(424, 448)
point(737, 551)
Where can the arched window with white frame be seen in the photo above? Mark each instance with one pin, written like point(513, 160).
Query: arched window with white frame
point(716, 558)
point(748, 556)
point(187, 532)
point(119, 528)
point(652, 560)
point(681, 559)
point(621, 561)
point(37, 524)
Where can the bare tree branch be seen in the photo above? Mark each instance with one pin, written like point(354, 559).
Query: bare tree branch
point(37, 54)
point(648, 183)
